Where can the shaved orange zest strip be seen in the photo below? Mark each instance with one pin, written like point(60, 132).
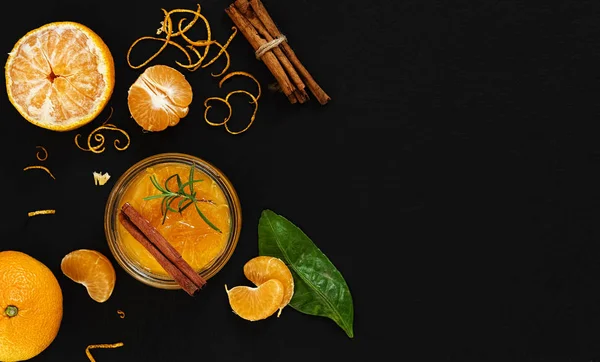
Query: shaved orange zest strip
point(209, 107)
point(41, 158)
point(204, 42)
point(121, 314)
point(226, 102)
point(191, 66)
point(169, 30)
point(231, 74)
point(188, 27)
point(99, 148)
point(167, 42)
point(41, 212)
point(254, 100)
point(39, 168)
point(223, 51)
point(183, 26)
point(91, 346)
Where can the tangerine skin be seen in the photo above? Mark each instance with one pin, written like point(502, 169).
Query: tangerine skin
point(29, 286)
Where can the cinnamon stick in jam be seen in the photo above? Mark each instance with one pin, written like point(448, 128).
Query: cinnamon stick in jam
point(168, 257)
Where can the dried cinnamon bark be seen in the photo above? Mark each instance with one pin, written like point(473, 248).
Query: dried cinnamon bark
point(270, 60)
point(244, 7)
point(261, 29)
point(161, 249)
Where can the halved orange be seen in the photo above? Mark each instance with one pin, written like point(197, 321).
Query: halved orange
point(159, 98)
point(263, 268)
point(91, 269)
point(60, 76)
point(256, 303)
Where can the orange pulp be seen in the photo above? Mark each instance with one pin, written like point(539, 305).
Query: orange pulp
point(193, 238)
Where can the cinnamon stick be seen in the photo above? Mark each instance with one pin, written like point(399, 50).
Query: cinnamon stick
point(244, 8)
point(270, 60)
point(265, 18)
point(185, 283)
point(161, 249)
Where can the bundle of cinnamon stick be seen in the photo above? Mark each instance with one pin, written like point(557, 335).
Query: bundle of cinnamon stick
point(254, 22)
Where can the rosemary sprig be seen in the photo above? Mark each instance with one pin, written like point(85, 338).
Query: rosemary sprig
point(186, 199)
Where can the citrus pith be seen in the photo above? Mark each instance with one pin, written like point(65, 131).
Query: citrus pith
point(60, 76)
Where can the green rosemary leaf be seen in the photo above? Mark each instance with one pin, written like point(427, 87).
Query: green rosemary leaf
point(186, 206)
point(169, 179)
point(155, 183)
point(179, 183)
point(206, 219)
point(191, 178)
point(186, 199)
point(153, 197)
point(183, 186)
point(169, 202)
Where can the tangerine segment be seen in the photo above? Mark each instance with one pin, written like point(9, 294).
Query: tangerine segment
point(60, 76)
point(91, 269)
point(263, 268)
point(256, 303)
point(159, 98)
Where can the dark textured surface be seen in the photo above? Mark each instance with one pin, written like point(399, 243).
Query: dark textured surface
point(453, 180)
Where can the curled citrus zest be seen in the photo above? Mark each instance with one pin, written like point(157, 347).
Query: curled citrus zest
point(121, 314)
point(166, 42)
point(169, 29)
point(191, 23)
point(209, 107)
point(39, 168)
point(203, 42)
point(99, 148)
point(196, 65)
point(41, 212)
point(223, 50)
point(231, 74)
point(254, 100)
point(91, 346)
point(37, 154)
point(226, 102)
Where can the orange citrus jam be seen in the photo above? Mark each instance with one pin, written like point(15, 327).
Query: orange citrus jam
point(196, 241)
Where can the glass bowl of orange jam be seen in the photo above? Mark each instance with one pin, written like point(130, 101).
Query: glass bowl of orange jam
point(204, 248)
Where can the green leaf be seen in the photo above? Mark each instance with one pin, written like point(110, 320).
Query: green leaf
point(320, 289)
point(153, 197)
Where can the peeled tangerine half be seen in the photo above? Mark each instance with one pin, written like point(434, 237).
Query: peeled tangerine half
point(274, 289)
point(91, 269)
point(256, 303)
point(159, 98)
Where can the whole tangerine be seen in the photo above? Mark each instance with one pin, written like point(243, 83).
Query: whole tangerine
point(31, 306)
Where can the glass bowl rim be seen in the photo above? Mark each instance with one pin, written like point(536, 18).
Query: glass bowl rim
point(110, 216)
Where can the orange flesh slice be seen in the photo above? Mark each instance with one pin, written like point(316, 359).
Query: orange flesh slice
point(60, 76)
point(263, 268)
point(91, 269)
point(159, 98)
point(256, 303)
